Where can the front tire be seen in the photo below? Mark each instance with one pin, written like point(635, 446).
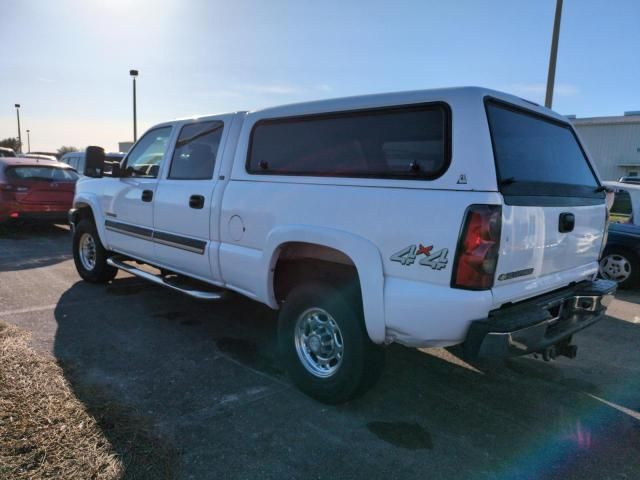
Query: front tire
point(89, 255)
point(324, 344)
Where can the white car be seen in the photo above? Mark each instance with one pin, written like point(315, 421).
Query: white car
point(428, 218)
point(7, 152)
point(39, 156)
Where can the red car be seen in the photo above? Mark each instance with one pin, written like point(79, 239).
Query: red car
point(35, 190)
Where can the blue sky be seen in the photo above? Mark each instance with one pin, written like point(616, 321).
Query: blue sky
point(67, 61)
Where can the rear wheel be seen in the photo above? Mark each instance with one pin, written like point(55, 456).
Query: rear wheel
point(620, 266)
point(89, 255)
point(324, 344)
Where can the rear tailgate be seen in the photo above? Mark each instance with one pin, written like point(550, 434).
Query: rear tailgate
point(554, 213)
point(42, 184)
point(48, 193)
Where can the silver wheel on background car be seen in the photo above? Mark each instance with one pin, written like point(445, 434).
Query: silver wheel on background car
point(87, 251)
point(615, 267)
point(319, 342)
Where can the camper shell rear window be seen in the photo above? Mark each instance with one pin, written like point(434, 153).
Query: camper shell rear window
point(538, 156)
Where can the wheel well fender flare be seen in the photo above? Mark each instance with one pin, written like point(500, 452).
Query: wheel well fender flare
point(364, 255)
point(91, 202)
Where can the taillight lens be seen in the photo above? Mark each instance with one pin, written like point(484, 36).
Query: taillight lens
point(478, 245)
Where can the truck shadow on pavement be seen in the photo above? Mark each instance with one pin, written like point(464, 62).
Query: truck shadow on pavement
point(183, 388)
point(27, 245)
point(30, 230)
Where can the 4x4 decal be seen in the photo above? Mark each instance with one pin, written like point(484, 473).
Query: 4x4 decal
point(436, 260)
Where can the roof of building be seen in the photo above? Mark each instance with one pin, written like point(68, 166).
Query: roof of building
point(613, 120)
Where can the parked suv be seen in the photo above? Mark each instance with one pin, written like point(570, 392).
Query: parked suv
point(77, 160)
point(427, 218)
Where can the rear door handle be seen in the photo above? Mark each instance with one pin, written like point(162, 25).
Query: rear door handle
point(196, 201)
point(566, 222)
point(147, 195)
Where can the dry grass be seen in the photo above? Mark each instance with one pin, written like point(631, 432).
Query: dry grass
point(47, 432)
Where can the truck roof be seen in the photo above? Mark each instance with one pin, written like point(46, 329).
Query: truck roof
point(399, 98)
point(405, 97)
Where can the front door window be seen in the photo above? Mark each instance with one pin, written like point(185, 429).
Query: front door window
point(146, 157)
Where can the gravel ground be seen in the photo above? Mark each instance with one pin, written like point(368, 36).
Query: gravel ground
point(205, 380)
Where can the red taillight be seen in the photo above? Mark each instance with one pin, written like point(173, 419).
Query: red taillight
point(14, 215)
point(477, 252)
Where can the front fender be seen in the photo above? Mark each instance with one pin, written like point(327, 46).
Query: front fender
point(90, 200)
point(364, 254)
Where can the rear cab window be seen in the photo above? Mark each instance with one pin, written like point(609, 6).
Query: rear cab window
point(537, 157)
point(406, 142)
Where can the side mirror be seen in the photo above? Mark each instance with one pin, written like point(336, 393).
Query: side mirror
point(94, 164)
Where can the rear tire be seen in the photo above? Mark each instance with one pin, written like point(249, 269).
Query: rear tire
point(324, 344)
point(89, 255)
point(621, 266)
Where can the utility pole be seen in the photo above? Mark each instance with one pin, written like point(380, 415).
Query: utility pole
point(19, 133)
point(134, 74)
point(28, 141)
point(551, 78)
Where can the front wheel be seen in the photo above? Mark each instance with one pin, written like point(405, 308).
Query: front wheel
point(620, 266)
point(89, 255)
point(324, 344)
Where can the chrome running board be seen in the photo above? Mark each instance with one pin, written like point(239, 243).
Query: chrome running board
point(159, 280)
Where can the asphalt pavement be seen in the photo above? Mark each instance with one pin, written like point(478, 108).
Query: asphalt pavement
point(206, 380)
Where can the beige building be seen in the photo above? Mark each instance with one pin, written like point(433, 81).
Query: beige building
point(124, 146)
point(613, 143)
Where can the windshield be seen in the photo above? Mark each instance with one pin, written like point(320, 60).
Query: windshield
point(50, 174)
point(538, 156)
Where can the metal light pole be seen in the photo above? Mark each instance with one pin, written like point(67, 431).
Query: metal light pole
point(28, 141)
point(551, 78)
point(134, 74)
point(19, 133)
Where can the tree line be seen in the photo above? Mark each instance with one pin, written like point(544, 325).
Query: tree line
point(14, 144)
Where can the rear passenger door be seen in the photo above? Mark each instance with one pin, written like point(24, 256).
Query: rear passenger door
point(185, 232)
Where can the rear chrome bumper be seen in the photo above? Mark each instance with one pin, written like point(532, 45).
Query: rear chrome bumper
point(533, 325)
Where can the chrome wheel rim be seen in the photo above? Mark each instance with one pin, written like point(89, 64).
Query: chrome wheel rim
point(615, 267)
point(319, 342)
point(87, 251)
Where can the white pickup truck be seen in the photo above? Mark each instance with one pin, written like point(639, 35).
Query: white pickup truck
point(428, 218)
